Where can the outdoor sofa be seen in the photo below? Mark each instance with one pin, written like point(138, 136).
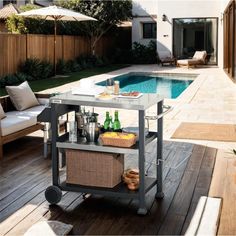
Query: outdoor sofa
point(18, 113)
point(199, 58)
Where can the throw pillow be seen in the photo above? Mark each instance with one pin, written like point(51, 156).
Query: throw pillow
point(2, 113)
point(22, 96)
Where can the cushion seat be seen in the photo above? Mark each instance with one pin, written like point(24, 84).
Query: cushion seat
point(199, 58)
point(19, 120)
point(188, 62)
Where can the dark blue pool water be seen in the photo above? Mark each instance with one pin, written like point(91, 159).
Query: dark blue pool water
point(170, 86)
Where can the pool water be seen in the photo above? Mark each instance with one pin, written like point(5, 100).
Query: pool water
point(169, 86)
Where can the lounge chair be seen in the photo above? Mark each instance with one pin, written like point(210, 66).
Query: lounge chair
point(166, 58)
point(199, 58)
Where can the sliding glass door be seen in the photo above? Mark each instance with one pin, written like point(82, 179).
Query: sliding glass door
point(195, 34)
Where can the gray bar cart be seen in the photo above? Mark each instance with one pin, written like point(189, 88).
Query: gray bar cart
point(64, 103)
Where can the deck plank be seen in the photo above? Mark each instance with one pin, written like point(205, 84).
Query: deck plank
point(42, 213)
point(224, 185)
point(177, 212)
point(186, 169)
point(202, 184)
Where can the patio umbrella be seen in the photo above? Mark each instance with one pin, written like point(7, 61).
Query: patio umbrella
point(55, 14)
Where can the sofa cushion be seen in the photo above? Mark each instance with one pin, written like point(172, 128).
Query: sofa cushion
point(18, 120)
point(22, 96)
point(2, 113)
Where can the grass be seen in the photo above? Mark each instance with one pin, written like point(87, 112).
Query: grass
point(40, 85)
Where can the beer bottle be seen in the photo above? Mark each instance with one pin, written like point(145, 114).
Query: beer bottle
point(107, 122)
point(117, 125)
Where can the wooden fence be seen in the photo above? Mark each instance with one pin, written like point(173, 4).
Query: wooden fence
point(15, 48)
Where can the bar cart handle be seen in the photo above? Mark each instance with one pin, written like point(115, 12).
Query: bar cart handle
point(167, 110)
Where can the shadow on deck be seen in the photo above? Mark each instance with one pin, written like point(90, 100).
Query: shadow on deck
point(25, 174)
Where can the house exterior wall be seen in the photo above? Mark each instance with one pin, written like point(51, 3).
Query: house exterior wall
point(143, 11)
point(177, 9)
point(185, 9)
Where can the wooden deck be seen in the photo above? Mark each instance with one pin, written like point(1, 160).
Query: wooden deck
point(25, 174)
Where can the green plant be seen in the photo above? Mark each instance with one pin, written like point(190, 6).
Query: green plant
point(122, 56)
point(108, 14)
point(9, 80)
point(37, 68)
point(22, 25)
point(72, 66)
point(24, 77)
point(142, 54)
point(139, 54)
point(61, 70)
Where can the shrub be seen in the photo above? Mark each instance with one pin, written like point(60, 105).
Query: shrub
point(82, 60)
point(142, 54)
point(9, 80)
point(89, 61)
point(139, 54)
point(64, 67)
point(122, 56)
point(72, 66)
point(36, 68)
point(24, 77)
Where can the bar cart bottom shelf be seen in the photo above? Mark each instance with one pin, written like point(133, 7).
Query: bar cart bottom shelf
point(53, 193)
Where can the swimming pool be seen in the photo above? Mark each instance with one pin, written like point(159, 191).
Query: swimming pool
point(167, 85)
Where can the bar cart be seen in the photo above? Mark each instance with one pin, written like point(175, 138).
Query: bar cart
point(64, 103)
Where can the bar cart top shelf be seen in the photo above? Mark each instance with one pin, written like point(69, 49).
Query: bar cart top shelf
point(141, 103)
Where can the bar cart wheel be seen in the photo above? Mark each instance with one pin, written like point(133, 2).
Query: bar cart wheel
point(53, 194)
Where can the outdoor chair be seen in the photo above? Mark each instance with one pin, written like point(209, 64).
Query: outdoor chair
point(199, 58)
point(166, 58)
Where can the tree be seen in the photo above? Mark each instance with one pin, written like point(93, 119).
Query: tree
point(22, 25)
point(108, 13)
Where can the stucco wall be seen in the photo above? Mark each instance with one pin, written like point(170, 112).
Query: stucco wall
point(185, 9)
point(176, 9)
point(142, 9)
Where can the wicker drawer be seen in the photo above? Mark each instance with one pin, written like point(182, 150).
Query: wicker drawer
point(94, 168)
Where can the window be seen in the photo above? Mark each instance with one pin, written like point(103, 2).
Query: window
point(149, 30)
point(5, 2)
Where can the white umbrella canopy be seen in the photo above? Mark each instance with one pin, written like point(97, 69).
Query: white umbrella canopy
point(56, 13)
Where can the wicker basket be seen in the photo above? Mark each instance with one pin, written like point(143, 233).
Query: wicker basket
point(118, 142)
point(94, 168)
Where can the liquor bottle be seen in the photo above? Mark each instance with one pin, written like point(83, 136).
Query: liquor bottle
point(107, 122)
point(117, 125)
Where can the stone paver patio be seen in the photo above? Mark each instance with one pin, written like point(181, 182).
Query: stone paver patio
point(211, 98)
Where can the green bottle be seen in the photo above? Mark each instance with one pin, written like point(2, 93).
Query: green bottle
point(111, 125)
point(107, 121)
point(116, 125)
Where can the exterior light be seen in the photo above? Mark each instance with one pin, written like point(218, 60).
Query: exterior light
point(164, 17)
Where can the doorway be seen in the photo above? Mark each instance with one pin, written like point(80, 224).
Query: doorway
point(195, 34)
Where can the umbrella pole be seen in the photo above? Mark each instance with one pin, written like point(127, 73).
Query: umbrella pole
point(54, 58)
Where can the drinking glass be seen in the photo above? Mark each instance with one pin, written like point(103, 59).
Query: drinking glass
point(109, 85)
point(73, 131)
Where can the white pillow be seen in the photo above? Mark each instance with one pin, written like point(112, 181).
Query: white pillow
point(22, 96)
point(2, 113)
